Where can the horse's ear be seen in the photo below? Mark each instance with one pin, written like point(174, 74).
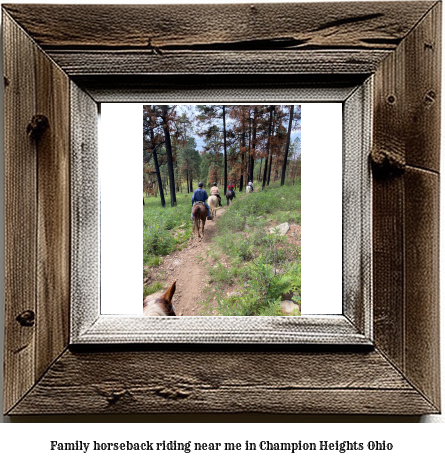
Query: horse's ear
point(168, 295)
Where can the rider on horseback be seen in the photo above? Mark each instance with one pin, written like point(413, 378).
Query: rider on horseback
point(215, 191)
point(250, 184)
point(200, 195)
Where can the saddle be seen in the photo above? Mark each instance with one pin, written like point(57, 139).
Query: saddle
point(199, 202)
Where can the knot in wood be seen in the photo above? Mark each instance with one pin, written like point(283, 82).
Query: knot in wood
point(37, 126)
point(387, 162)
point(26, 318)
point(172, 393)
point(114, 397)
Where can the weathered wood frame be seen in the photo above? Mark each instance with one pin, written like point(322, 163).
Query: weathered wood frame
point(77, 56)
point(353, 326)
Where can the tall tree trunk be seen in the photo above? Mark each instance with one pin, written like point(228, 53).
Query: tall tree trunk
point(252, 155)
point(188, 190)
point(191, 185)
point(259, 174)
point(286, 152)
point(225, 150)
point(250, 145)
point(270, 168)
point(269, 135)
point(168, 149)
point(243, 146)
point(155, 158)
point(271, 154)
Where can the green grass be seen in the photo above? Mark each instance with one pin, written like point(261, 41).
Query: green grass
point(165, 229)
point(155, 287)
point(263, 267)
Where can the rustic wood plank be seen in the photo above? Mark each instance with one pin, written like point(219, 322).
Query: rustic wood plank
point(408, 98)
point(109, 329)
point(268, 88)
point(388, 268)
point(79, 62)
point(357, 201)
point(406, 205)
point(388, 201)
point(363, 25)
point(422, 281)
point(85, 241)
point(53, 235)
point(218, 382)
point(423, 91)
point(20, 213)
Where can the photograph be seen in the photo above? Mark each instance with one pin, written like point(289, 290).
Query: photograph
point(222, 210)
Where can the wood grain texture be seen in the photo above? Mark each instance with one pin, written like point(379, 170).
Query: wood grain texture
point(222, 382)
point(423, 91)
point(357, 205)
point(408, 97)
point(78, 63)
point(422, 324)
point(108, 329)
point(84, 234)
point(161, 27)
point(53, 224)
point(406, 276)
point(20, 211)
point(388, 268)
point(268, 88)
point(388, 200)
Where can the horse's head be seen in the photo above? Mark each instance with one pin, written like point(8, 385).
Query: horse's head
point(160, 305)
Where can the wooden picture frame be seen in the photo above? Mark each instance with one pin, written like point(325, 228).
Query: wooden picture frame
point(56, 72)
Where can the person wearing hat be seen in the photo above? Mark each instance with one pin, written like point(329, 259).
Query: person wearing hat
point(215, 191)
point(200, 195)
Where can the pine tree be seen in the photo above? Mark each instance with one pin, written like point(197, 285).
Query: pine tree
point(166, 116)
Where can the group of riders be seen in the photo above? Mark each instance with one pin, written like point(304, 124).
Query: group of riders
point(200, 195)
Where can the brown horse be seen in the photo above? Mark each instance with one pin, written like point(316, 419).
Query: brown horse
point(199, 213)
point(230, 195)
point(160, 304)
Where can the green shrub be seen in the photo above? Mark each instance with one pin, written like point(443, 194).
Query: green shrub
point(165, 229)
point(267, 265)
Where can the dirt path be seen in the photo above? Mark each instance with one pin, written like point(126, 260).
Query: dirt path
point(188, 267)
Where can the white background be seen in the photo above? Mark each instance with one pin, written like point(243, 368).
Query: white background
point(120, 153)
point(414, 443)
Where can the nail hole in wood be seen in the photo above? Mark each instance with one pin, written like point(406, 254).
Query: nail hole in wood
point(430, 97)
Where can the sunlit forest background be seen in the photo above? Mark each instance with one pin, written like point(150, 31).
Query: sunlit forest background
point(218, 143)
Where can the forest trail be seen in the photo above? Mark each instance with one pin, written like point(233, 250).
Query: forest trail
point(188, 267)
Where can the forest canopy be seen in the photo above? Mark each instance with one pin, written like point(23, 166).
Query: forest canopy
point(185, 144)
